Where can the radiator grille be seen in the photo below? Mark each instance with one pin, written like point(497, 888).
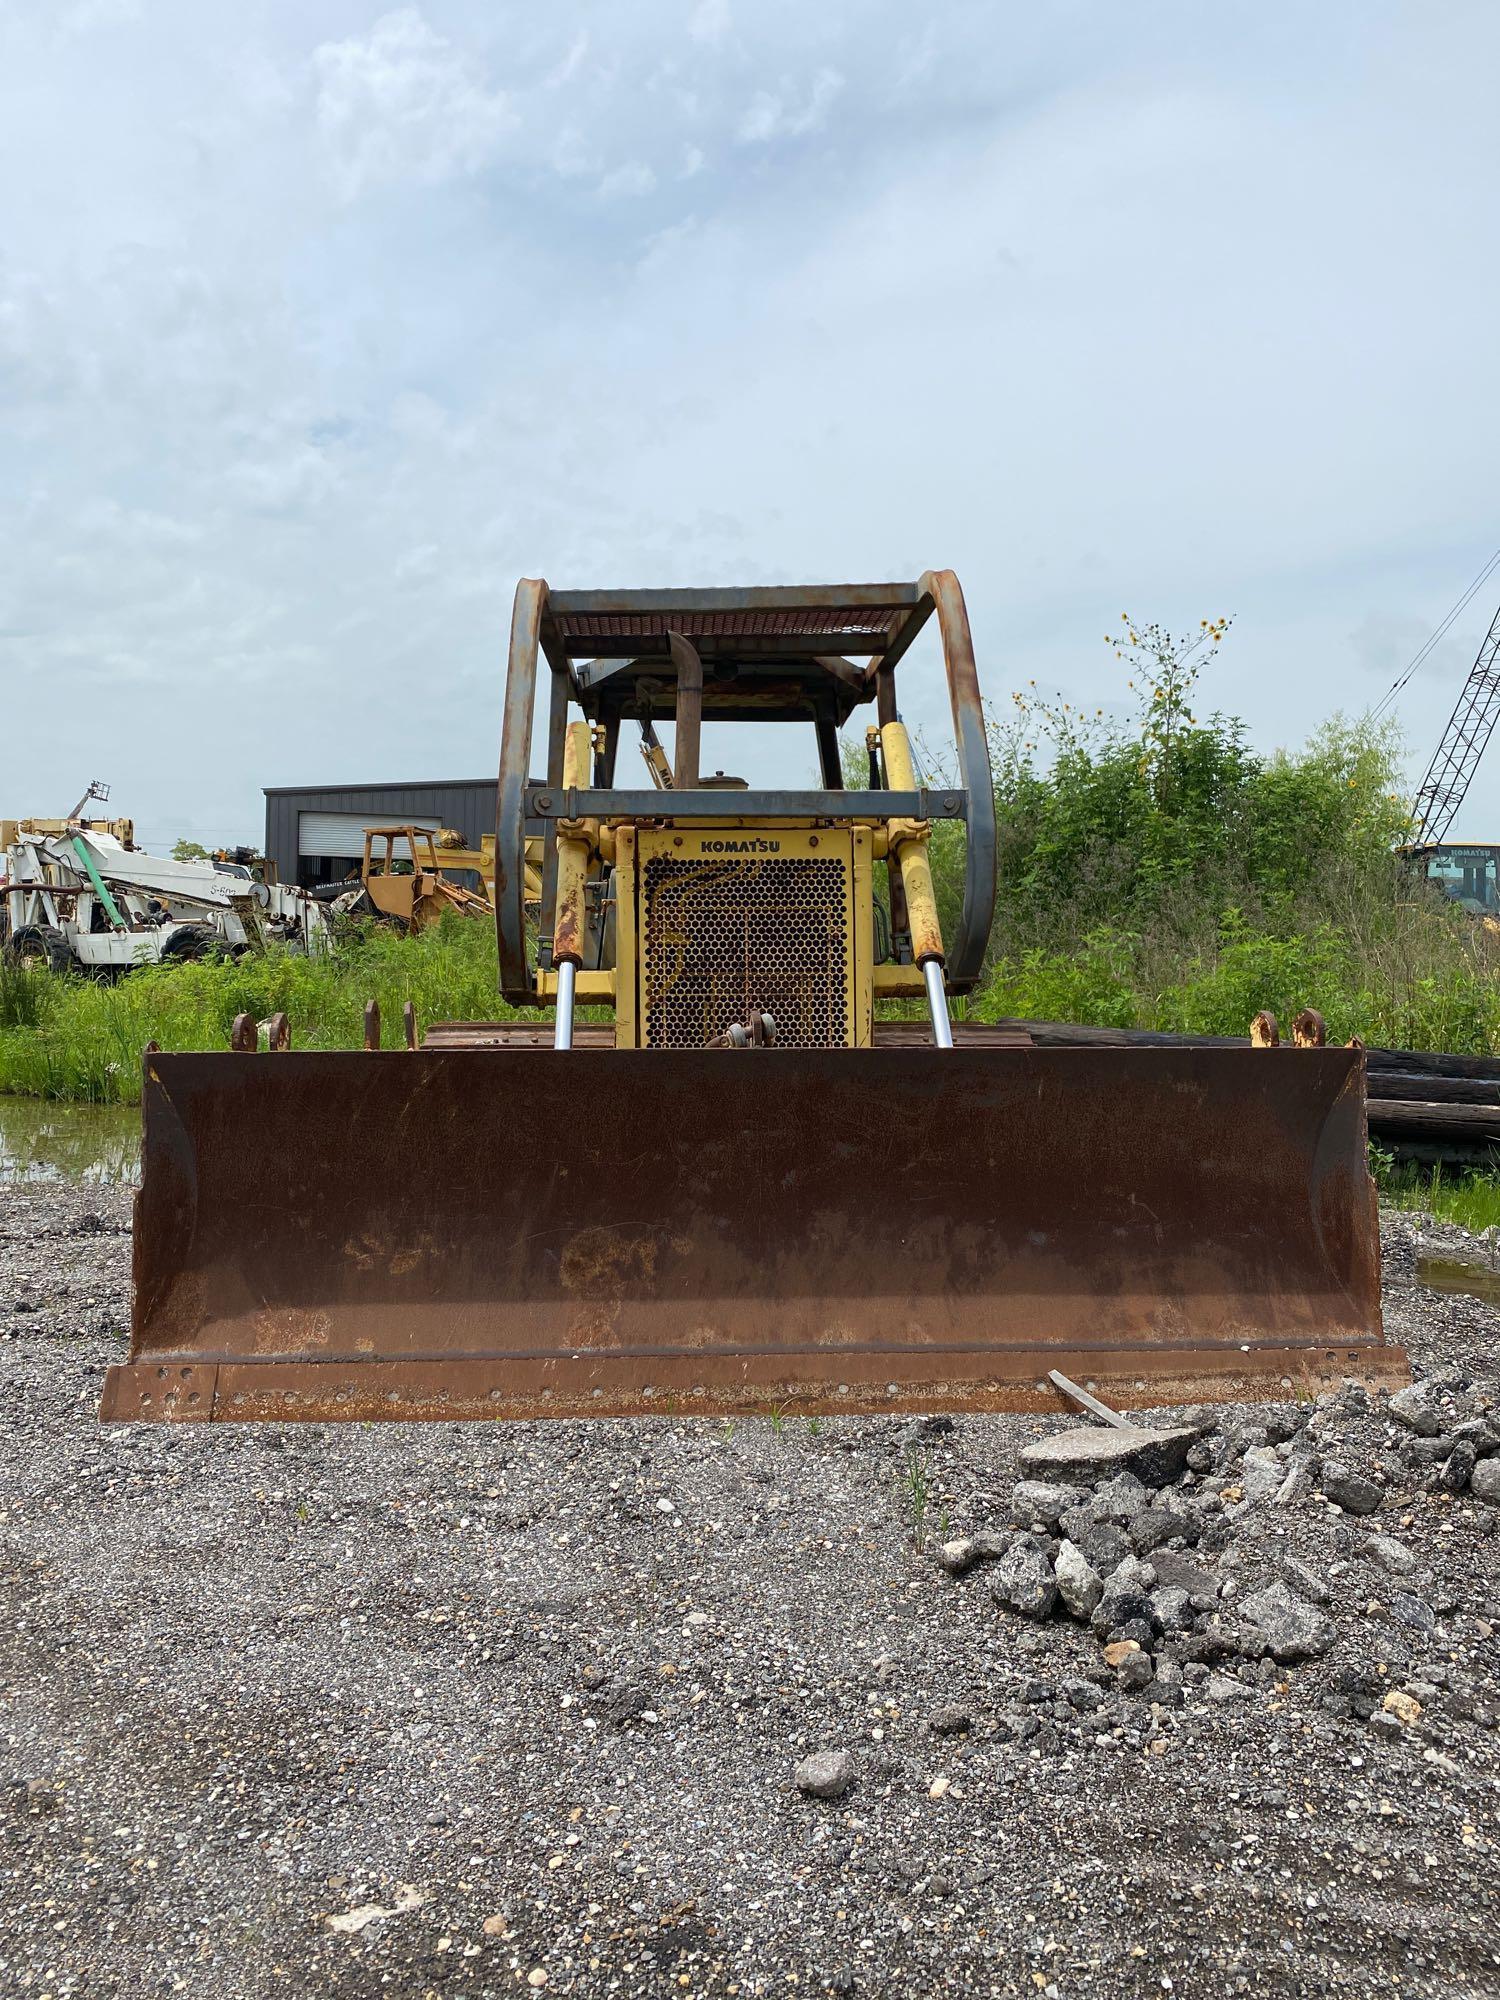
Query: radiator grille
point(723, 937)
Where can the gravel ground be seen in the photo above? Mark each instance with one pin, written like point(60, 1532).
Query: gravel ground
point(450, 1711)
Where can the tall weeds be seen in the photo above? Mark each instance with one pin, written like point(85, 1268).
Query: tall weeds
point(1157, 873)
point(86, 1038)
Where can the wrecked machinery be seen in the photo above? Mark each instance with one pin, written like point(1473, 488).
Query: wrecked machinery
point(407, 878)
point(83, 897)
point(743, 1190)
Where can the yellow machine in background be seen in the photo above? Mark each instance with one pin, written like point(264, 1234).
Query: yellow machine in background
point(454, 855)
point(405, 882)
point(122, 830)
point(405, 875)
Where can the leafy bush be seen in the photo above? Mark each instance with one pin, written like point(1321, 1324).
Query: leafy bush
point(1164, 821)
point(1158, 873)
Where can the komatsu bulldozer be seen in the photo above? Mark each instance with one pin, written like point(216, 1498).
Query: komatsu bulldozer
point(718, 1179)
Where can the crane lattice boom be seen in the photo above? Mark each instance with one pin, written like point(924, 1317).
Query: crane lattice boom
point(1463, 742)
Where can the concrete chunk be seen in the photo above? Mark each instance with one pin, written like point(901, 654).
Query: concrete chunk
point(1023, 1579)
point(1092, 1452)
point(1181, 1572)
point(1079, 1584)
point(1036, 1500)
point(1289, 1628)
point(1416, 1408)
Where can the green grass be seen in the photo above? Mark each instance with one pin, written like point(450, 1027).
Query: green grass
point(913, 1488)
point(1468, 1196)
point(23, 995)
point(82, 1039)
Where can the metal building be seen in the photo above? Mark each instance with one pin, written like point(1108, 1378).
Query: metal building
point(315, 833)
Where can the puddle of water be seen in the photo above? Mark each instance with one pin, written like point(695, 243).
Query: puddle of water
point(98, 1145)
point(1452, 1274)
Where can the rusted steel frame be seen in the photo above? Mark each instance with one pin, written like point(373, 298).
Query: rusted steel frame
point(765, 649)
point(687, 732)
point(965, 960)
point(559, 691)
point(903, 638)
point(924, 804)
point(767, 597)
point(885, 692)
point(1228, 1248)
point(874, 1382)
point(510, 801)
point(830, 761)
point(534, 1034)
point(846, 673)
point(886, 711)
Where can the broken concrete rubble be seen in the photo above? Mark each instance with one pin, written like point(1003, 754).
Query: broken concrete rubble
point(1079, 1584)
point(1349, 1489)
point(1289, 1628)
point(1024, 1580)
point(1093, 1452)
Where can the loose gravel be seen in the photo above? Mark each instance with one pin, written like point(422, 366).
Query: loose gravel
point(433, 1711)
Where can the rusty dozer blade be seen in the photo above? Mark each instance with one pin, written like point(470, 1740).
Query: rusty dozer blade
point(518, 1232)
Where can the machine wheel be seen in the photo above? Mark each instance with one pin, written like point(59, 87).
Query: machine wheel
point(40, 947)
point(192, 941)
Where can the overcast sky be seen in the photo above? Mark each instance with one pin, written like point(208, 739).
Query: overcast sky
point(322, 322)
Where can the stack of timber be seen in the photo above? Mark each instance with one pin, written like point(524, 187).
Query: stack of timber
point(1421, 1105)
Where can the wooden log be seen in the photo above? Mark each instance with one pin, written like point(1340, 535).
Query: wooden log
point(1390, 1083)
point(1410, 1062)
point(1389, 1118)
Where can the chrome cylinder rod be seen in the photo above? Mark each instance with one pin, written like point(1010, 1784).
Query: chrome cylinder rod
point(937, 1002)
point(562, 1033)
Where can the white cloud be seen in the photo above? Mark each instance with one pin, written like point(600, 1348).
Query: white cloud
point(777, 114)
point(572, 62)
point(572, 154)
point(265, 436)
point(85, 15)
point(285, 480)
point(402, 103)
point(632, 180)
point(709, 21)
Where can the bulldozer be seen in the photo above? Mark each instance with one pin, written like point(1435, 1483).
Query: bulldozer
point(405, 883)
point(703, 1173)
point(404, 876)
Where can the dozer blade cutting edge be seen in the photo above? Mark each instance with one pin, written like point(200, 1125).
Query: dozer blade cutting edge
point(514, 1232)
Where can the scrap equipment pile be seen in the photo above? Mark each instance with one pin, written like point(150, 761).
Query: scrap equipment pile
point(80, 895)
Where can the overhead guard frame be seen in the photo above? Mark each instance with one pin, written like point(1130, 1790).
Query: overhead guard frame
point(806, 633)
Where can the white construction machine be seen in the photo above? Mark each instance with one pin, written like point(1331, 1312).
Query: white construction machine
point(80, 896)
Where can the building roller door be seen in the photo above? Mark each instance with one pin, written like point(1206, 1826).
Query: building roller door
point(342, 835)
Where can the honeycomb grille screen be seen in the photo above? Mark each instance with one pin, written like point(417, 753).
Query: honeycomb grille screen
point(723, 937)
